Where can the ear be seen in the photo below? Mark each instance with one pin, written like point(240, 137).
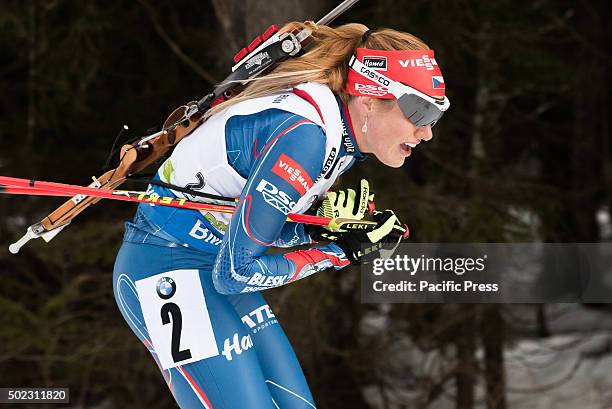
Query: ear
point(367, 103)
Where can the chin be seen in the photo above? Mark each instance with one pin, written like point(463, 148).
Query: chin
point(393, 162)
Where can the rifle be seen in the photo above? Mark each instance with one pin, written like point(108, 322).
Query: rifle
point(262, 55)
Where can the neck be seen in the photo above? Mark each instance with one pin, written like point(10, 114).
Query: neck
point(357, 120)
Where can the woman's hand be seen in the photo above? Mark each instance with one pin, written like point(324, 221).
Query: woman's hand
point(363, 246)
point(346, 204)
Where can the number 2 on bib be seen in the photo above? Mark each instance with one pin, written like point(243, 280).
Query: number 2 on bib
point(176, 317)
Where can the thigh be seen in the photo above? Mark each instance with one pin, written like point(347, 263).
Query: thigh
point(280, 366)
point(197, 339)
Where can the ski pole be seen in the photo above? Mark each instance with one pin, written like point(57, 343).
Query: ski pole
point(10, 185)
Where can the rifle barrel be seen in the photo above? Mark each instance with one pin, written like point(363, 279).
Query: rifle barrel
point(341, 8)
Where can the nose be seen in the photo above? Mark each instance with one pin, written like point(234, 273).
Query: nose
point(425, 133)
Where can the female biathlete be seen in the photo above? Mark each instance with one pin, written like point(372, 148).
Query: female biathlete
point(188, 283)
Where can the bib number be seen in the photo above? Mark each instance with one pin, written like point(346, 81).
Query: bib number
point(171, 309)
point(176, 316)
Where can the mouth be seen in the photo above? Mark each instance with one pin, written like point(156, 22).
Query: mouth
point(406, 148)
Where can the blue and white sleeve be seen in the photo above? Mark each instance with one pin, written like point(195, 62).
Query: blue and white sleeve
point(283, 169)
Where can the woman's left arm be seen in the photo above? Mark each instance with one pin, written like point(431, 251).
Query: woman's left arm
point(285, 166)
point(292, 234)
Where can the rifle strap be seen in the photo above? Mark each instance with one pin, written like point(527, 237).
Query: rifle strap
point(181, 189)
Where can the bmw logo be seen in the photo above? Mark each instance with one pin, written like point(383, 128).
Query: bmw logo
point(166, 287)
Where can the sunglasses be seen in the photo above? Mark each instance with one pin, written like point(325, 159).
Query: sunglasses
point(420, 109)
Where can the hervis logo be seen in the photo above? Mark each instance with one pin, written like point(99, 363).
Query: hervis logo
point(376, 63)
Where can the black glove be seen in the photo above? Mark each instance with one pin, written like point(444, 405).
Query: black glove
point(362, 246)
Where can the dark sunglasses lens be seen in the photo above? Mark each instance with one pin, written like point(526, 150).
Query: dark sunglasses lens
point(419, 111)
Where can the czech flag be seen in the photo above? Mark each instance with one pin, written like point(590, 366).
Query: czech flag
point(437, 82)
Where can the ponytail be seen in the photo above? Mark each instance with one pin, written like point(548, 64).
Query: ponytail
point(325, 62)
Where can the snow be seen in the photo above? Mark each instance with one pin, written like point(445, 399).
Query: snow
point(568, 370)
point(603, 221)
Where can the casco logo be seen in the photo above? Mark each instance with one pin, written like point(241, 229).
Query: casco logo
point(365, 89)
point(376, 63)
point(374, 76)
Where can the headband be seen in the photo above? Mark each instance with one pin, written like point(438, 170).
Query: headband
point(416, 68)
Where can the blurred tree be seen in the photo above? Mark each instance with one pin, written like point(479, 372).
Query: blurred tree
point(523, 154)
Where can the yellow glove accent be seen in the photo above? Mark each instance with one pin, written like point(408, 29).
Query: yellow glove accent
point(379, 233)
point(346, 204)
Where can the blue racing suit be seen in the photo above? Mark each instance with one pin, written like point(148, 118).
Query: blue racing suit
point(188, 284)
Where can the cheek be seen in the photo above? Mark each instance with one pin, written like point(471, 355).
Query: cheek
point(387, 137)
point(393, 131)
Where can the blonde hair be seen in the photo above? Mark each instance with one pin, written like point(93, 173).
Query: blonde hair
point(325, 62)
